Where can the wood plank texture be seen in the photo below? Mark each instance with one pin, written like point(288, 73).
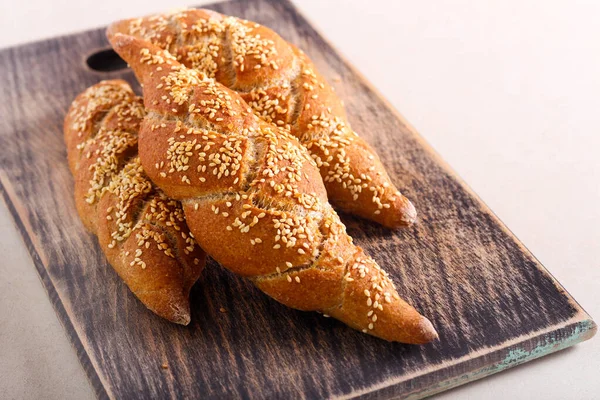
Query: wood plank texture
point(493, 303)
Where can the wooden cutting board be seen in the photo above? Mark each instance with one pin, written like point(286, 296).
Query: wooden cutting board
point(494, 305)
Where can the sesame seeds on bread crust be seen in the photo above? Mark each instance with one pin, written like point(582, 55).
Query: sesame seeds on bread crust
point(254, 199)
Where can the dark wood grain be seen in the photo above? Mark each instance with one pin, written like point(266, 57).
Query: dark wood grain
point(493, 303)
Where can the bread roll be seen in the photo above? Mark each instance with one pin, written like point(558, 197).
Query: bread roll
point(142, 232)
point(254, 199)
point(282, 86)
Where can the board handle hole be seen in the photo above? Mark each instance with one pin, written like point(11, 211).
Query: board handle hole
point(106, 60)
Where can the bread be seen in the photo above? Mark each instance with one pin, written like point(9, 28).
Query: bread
point(141, 231)
point(254, 199)
point(282, 86)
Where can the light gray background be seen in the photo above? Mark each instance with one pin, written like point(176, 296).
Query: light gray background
point(508, 92)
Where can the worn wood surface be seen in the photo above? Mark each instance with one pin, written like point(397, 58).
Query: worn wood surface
point(492, 302)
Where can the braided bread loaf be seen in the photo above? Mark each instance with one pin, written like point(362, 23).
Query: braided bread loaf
point(141, 231)
point(282, 86)
point(255, 201)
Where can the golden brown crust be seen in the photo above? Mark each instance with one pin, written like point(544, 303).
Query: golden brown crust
point(254, 199)
point(141, 231)
point(283, 87)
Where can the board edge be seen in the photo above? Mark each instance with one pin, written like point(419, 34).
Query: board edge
point(99, 389)
point(581, 328)
point(515, 356)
